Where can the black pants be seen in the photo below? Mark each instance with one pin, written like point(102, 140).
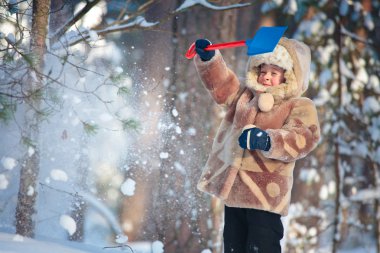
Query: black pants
point(251, 231)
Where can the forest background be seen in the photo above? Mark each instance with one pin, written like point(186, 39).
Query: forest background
point(105, 125)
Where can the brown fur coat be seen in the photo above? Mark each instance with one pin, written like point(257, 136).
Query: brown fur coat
point(259, 179)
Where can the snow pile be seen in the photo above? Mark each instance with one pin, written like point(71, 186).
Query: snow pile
point(18, 238)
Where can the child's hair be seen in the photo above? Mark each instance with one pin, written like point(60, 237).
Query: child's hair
point(258, 69)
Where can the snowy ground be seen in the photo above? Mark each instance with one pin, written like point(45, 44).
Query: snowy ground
point(11, 243)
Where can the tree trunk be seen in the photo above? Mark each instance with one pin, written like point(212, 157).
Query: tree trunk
point(338, 171)
point(27, 195)
point(375, 177)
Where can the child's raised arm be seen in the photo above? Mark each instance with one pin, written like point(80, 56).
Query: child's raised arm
point(218, 79)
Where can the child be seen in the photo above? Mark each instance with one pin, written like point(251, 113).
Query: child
point(267, 127)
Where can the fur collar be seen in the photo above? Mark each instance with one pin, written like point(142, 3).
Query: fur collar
point(280, 92)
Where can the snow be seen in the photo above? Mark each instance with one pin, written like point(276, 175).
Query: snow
point(68, 224)
point(18, 238)
point(357, 6)
point(93, 35)
point(105, 117)
point(31, 151)
point(362, 75)
point(309, 176)
point(204, 3)
point(164, 155)
point(325, 77)
point(128, 187)
point(368, 21)
point(30, 191)
point(345, 70)
point(157, 247)
point(103, 210)
point(11, 243)
point(292, 7)
point(355, 36)
point(174, 112)
point(371, 105)
point(269, 5)
point(322, 98)
point(94, 17)
point(366, 195)
point(191, 131)
point(58, 175)
point(121, 239)
point(139, 21)
point(178, 130)
point(143, 23)
point(180, 168)
point(324, 192)
point(343, 7)
point(8, 163)
point(11, 38)
point(3, 182)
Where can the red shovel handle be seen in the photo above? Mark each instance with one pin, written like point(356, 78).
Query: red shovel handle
point(191, 51)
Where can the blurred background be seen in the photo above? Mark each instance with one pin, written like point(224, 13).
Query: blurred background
point(105, 125)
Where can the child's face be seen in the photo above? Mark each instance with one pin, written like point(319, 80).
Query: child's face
point(270, 75)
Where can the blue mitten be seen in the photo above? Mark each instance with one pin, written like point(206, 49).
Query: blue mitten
point(200, 45)
point(254, 138)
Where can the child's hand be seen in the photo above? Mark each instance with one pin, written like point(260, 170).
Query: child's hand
point(200, 45)
point(253, 138)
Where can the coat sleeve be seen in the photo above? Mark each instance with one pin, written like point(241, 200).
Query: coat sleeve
point(299, 135)
point(218, 79)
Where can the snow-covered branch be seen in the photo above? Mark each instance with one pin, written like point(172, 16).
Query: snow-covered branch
point(356, 37)
point(130, 23)
point(92, 35)
point(97, 204)
point(204, 3)
point(366, 195)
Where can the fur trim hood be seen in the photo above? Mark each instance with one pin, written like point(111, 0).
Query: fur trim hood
point(291, 55)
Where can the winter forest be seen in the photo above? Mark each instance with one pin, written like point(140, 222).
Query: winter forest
point(105, 125)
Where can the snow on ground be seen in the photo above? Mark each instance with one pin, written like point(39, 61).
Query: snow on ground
point(11, 243)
